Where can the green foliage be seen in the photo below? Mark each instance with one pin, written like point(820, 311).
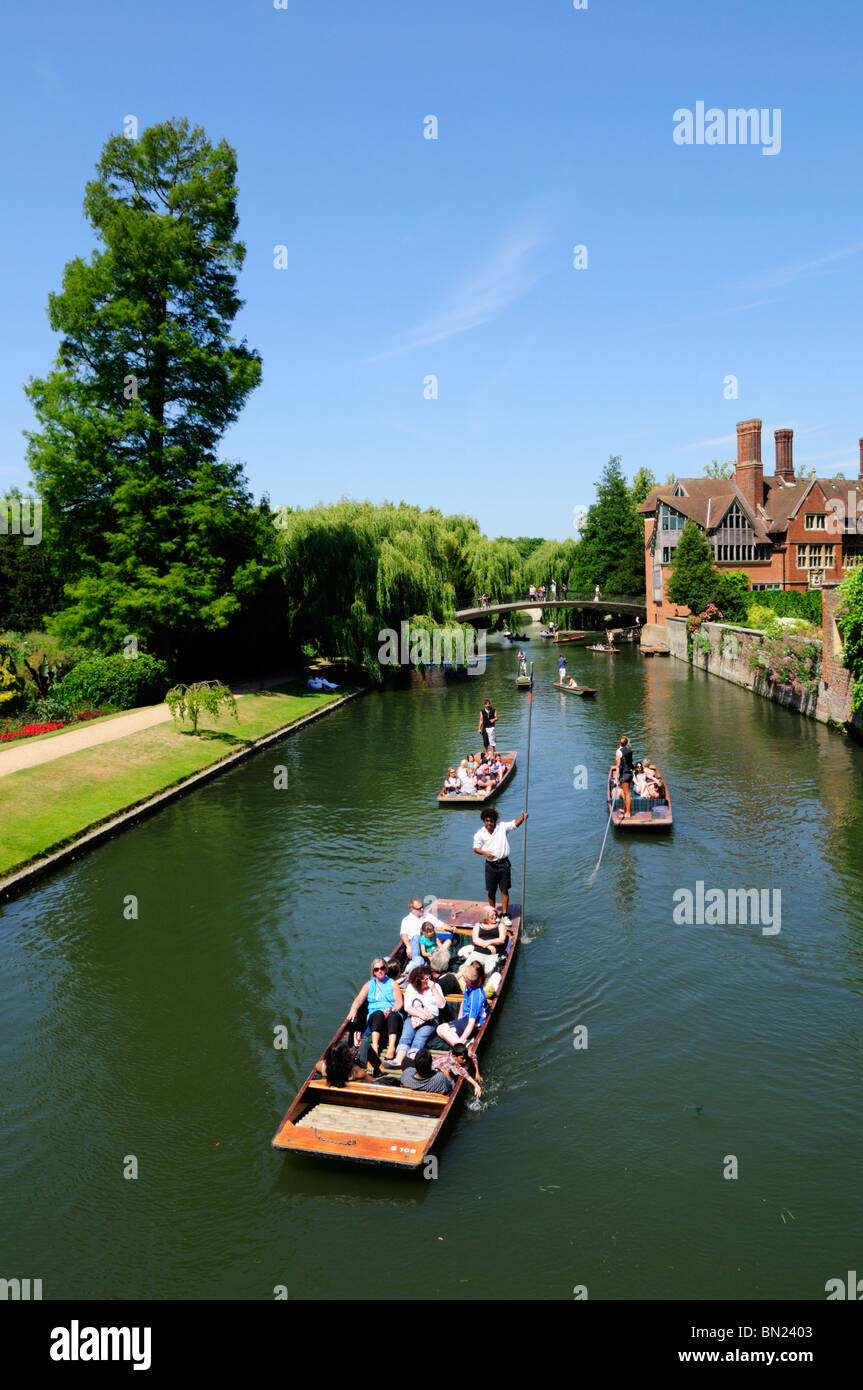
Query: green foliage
point(495, 567)
point(642, 485)
point(525, 545)
point(41, 658)
point(11, 688)
point(552, 560)
point(114, 680)
point(697, 583)
point(701, 645)
point(713, 469)
point(351, 570)
point(202, 697)
point(849, 621)
point(153, 535)
point(29, 586)
point(610, 549)
point(785, 603)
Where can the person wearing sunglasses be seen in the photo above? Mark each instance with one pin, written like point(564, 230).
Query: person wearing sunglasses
point(383, 1000)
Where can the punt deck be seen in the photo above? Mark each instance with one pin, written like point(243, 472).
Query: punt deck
point(648, 813)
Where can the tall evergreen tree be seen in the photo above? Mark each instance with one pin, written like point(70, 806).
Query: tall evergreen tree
point(611, 545)
point(694, 581)
point(156, 535)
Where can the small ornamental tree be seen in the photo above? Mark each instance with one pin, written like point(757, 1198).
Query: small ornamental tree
point(203, 697)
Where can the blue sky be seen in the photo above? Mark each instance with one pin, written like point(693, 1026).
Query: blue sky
point(409, 257)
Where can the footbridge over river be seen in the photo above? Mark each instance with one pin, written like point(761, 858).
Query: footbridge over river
point(623, 607)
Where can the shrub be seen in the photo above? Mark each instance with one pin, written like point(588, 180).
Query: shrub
point(849, 620)
point(51, 709)
point(10, 684)
point(785, 603)
point(114, 680)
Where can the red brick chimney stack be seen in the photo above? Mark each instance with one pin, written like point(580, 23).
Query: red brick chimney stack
point(784, 457)
point(749, 473)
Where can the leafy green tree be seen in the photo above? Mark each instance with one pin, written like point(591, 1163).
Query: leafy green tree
point(849, 621)
point(611, 544)
point(696, 582)
point(29, 584)
point(713, 469)
point(525, 545)
point(155, 535)
point(642, 485)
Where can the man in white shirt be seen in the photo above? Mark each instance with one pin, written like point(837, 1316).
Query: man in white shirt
point(410, 931)
point(491, 842)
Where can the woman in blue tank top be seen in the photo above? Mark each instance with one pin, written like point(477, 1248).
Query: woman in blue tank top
point(383, 1000)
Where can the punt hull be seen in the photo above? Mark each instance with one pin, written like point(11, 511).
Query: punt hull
point(657, 817)
point(405, 1146)
point(449, 799)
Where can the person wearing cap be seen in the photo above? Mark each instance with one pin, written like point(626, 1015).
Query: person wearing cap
point(492, 843)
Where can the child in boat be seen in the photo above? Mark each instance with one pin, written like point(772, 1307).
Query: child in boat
point(421, 1076)
point(474, 1007)
point(428, 940)
point(461, 1062)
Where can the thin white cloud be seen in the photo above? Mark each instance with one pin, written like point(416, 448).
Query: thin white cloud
point(481, 296)
point(784, 275)
point(708, 443)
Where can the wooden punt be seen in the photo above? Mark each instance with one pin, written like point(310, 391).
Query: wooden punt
point(572, 636)
point(371, 1121)
point(647, 813)
point(604, 651)
point(584, 690)
point(654, 651)
point(457, 799)
point(523, 682)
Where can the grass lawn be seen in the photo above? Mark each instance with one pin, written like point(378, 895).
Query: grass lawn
point(43, 808)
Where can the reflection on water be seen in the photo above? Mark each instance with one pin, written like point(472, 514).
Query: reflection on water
point(261, 909)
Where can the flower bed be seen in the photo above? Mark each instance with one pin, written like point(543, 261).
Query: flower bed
point(10, 730)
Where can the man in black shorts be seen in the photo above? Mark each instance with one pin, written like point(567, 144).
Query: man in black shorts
point(487, 721)
point(491, 842)
point(624, 774)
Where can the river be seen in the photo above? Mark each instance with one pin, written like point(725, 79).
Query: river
point(146, 1046)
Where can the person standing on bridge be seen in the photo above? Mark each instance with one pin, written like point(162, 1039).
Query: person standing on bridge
point(531, 593)
point(554, 589)
point(564, 590)
point(596, 594)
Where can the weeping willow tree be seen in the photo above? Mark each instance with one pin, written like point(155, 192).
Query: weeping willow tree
point(552, 560)
point(353, 570)
point(495, 567)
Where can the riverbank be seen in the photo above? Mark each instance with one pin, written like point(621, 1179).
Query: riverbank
point(50, 813)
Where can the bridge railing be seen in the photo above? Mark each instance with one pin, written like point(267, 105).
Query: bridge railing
point(581, 596)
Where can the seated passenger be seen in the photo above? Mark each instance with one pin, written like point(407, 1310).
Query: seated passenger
point(488, 940)
point(639, 780)
point(462, 1063)
point(499, 766)
point(383, 999)
point(452, 785)
point(424, 1001)
point(341, 1063)
point(571, 684)
point(428, 941)
point(468, 785)
point(422, 1076)
point(474, 1007)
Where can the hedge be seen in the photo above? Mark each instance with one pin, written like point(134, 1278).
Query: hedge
point(114, 680)
point(788, 603)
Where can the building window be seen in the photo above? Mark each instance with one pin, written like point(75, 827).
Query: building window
point(851, 559)
point(815, 557)
point(666, 554)
point(815, 521)
point(670, 520)
point(767, 586)
point(762, 552)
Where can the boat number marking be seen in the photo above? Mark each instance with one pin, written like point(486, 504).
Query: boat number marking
point(394, 1149)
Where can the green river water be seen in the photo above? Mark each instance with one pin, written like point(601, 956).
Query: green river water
point(600, 1167)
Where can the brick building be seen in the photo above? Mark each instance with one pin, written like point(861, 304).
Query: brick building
point(783, 532)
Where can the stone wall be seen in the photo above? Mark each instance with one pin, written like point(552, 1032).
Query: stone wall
point(731, 648)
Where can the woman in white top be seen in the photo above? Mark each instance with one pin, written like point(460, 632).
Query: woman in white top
point(424, 1000)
